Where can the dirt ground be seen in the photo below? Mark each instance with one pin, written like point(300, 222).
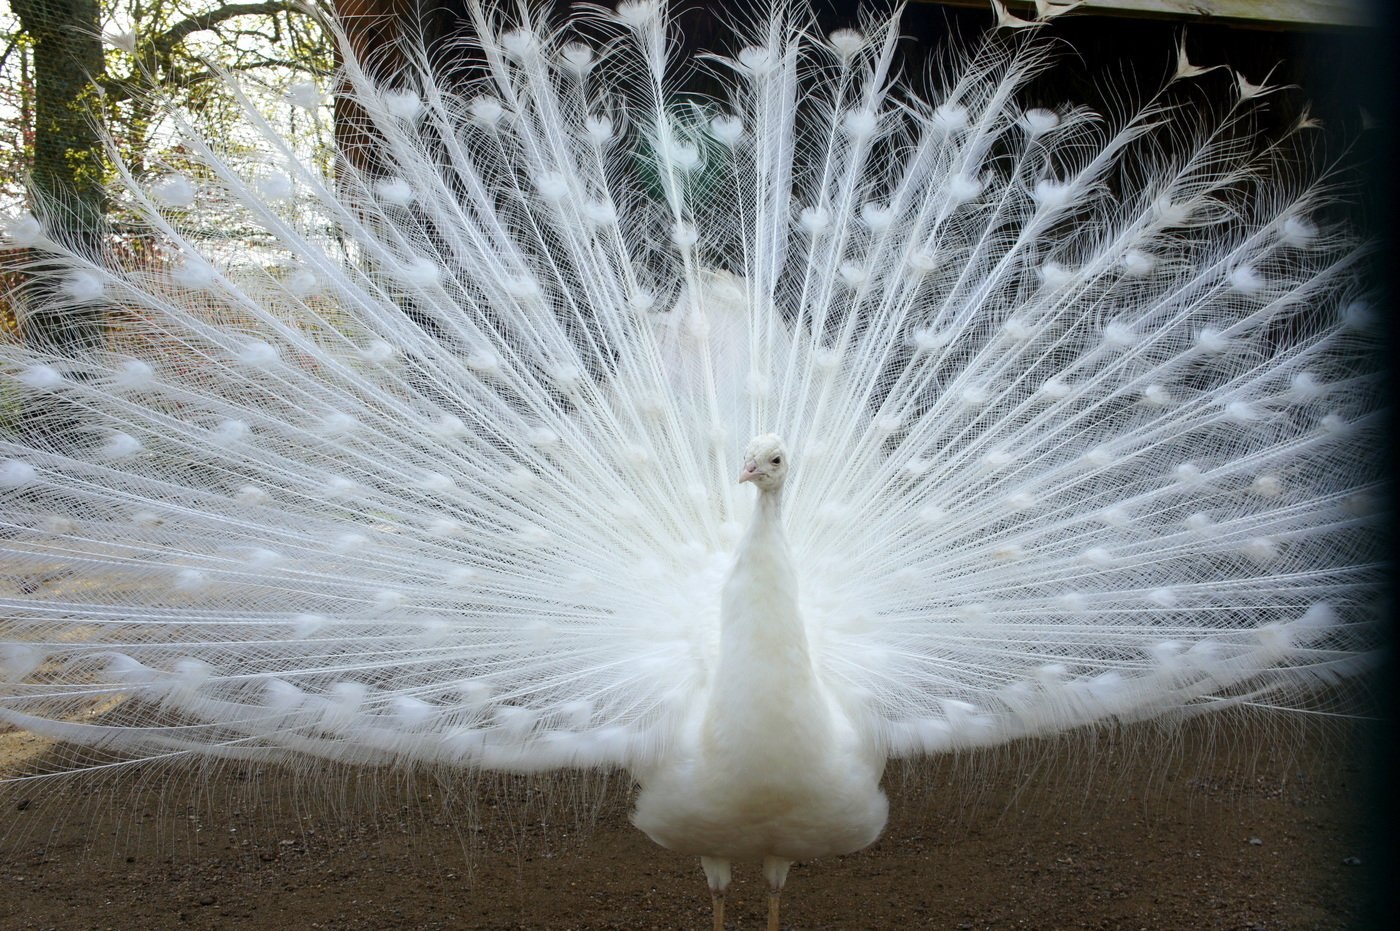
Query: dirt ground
point(1232, 826)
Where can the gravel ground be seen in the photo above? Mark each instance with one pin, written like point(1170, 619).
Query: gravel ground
point(1231, 825)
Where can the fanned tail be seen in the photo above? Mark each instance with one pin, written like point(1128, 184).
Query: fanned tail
point(445, 471)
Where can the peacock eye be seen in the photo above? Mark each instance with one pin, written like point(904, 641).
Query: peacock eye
point(777, 460)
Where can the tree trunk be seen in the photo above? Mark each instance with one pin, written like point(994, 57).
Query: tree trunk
point(69, 168)
point(373, 29)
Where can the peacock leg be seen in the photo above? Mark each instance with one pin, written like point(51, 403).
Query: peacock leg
point(775, 870)
point(718, 875)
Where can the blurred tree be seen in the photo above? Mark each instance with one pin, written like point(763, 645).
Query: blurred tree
point(157, 53)
point(67, 164)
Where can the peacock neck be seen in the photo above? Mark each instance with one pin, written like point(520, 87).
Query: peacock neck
point(765, 533)
point(764, 568)
point(763, 643)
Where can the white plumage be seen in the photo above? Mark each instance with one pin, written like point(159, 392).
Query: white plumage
point(770, 761)
point(444, 469)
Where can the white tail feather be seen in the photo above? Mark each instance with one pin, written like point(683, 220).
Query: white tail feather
point(1077, 425)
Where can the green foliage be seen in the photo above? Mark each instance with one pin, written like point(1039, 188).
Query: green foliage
point(157, 54)
point(75, 71)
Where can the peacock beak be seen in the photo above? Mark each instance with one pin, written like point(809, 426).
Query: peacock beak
point(750, 472)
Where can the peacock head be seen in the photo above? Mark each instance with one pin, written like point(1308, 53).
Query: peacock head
point(765, 463)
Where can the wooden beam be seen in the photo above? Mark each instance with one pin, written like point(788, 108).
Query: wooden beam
point(1264, 14)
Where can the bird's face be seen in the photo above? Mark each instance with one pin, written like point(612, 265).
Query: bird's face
point(765, 463)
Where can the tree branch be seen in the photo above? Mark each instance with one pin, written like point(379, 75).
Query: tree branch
point(211, 18)
point(164, 43)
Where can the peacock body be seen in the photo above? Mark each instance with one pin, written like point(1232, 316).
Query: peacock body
point(446, 472)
